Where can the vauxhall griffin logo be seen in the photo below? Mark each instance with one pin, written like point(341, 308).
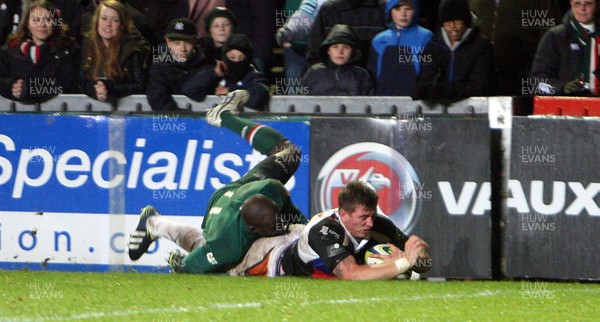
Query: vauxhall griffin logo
point(384, 170)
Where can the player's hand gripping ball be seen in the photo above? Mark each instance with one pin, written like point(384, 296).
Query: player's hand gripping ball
point(381, 249)
point(384, 249)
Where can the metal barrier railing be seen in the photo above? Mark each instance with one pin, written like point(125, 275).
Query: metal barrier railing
point(343, 105)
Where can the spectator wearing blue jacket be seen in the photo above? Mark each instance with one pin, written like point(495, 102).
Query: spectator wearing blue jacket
point(397, 53)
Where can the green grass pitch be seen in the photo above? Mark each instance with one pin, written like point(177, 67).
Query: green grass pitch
point(61, 296)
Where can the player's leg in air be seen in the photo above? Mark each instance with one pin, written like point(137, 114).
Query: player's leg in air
point(282, 160)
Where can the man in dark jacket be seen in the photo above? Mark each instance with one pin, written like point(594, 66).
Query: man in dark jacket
point(566, 62)
point(367, 17)
point(234, 72)
point(337, 74)
point(173, 65)
point(514, 27)
point(460, 58)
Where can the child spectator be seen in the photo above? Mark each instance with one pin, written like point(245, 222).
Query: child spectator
point(220, 25)
point(460, 58)
point(40, 59)
point(196, 11)
point(396, 54)
point(367, 17)
point(234, 72)
point(114, 61)
point(337, 75)
point(172, 67)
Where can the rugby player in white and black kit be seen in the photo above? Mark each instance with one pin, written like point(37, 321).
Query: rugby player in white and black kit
point(334, 242)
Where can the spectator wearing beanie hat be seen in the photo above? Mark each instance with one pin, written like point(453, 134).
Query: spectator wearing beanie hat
point(258, 20)
point(196, 11)
point(234, 72)
point(459, 59)
point(174, 64)
point(220, 25)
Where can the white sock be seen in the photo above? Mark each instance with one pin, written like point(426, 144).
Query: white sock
point(187, 236)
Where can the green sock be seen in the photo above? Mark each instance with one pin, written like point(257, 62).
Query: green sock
point(261, 137)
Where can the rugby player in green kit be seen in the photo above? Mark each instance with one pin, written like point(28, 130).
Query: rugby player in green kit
point(257, 205)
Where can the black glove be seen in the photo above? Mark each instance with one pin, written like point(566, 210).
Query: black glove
point(572, 88)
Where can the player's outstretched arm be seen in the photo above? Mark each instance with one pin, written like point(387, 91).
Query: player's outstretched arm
point(348, 269)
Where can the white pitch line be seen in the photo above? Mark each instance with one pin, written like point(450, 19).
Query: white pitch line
point(227, 306)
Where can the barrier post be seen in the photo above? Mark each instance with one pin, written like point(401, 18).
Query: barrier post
point(500, 117)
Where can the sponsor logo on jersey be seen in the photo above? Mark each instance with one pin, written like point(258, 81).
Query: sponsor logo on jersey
point(383, 169)
point(211, 258)
point(334, 250)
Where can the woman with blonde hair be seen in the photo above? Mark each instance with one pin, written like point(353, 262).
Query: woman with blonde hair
point(39, 60)
point(114, 55)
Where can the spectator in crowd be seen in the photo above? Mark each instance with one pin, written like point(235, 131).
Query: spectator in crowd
point(255, 205)
point(114, 55)
point(514, 27)
point(257, 20)
point(334, 242)
point(220, 25)
point(566, 62)
point(337, 75)
point(171, 67)
point(73, 13)
point(140, 22)
point(234, 72)
point(293, 35)
point(460, 59)
point(397, 53)
point(196, 11)
point(158, 14)
point(40, 59)
point(367, 17)
point(10, 15)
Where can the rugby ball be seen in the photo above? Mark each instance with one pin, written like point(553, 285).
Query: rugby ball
point(382, 249)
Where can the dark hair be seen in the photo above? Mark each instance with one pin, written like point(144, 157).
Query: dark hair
point(60, 31)
point(261, 215)
point(357, 193)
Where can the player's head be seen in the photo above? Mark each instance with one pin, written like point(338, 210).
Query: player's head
point(262, 216)
point(357, 206)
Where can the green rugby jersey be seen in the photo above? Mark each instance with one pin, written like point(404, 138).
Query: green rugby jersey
point(227, 235)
